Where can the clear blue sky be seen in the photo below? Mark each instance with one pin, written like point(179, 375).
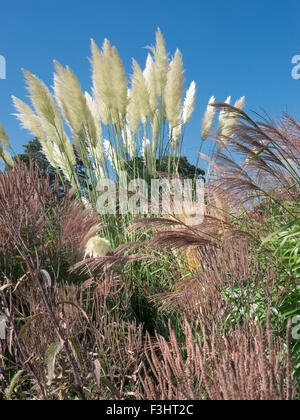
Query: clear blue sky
point(229, 47)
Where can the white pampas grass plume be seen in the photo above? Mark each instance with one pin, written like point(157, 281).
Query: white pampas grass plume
point(208, 119)
point(44, 106)
point(70, 98)
point(175, 134)
point(140, 90)
point(81, 114)
point(74, 107)
point(102, 81)
point(223, 116)
point(49, 116)
point(173, 94)
point(161, 62)
point(103, 110)
point(92, 106)
point(189, 103)
point(240, 103)
point(133, 113)
point(30, 121)
point(6, 157)
point(109, 82)
point(138, 108)
point(97, 247)
point(151, 83)
point(232, 118)
point(147, 155)
point(119, 82)
point(4, 137)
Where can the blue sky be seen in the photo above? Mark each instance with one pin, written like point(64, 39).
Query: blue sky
point(229, 48)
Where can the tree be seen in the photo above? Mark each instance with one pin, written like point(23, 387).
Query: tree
point(33, 151)
point(184, 168)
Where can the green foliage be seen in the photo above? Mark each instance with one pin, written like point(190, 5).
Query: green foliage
point(182, 167)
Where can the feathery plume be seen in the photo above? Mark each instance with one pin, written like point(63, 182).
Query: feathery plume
point(92, 106)
point(139, 89)
point(74, 107)
point(161, 62)
point(175, 134)
point(101, 74)
point(240, 103)
point(30, 121)
point(70, 98)
point(48, 114)
point(223, 116)
point(103, 110)
point(4, 137)
point(97, 247)
point(44, 106)
point(150, 78)
point(232, 118)
point(173, 94)
point(6, 157)
point(138, 107)
point(208, 119)
point(109, 83)
point(51, 149)
point(119, 82)
point(133, 114)
point(189, 103)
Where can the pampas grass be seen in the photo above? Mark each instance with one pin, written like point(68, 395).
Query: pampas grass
point(139, 94)
point(173, 94)
point(4, 137)
point(189, 103)
point(223, 116)
point(6, 157)
point(117, 122)
point(151, 83)
point(97, 247)
point(208, 119)
point(161, 61)
point(123, 113)
point(231, 119)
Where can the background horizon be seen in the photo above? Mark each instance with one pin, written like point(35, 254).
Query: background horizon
point(229, 49)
